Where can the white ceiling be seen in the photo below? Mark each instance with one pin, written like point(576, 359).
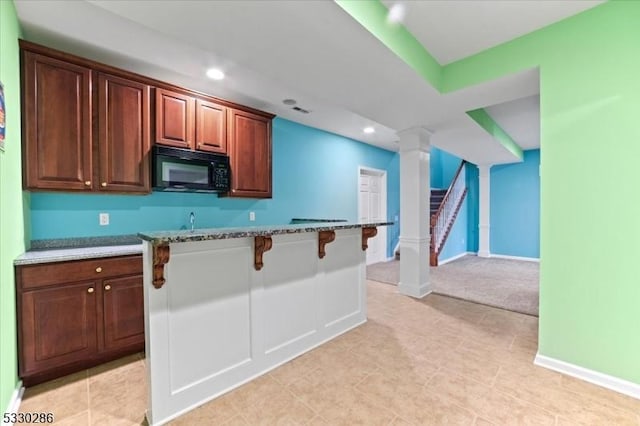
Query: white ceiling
point(311, 51)
point(520, 119)
point(454, 29)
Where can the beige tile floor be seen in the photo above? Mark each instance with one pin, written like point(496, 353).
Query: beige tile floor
point(422, 362)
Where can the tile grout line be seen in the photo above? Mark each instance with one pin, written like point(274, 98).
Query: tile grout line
point(88, 397)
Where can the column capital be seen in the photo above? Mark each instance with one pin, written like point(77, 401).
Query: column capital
point(484, 169)
point(415, 138)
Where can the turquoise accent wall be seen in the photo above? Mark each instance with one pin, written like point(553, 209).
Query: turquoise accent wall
point(473, 207)
point(12, 200)
point(456, 243)
point(443, 167)
point(515, 207)
point(315, 174)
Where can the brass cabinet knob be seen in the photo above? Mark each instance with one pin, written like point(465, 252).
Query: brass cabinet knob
point(87, 183)
point(103, 184)
point(98, 269)
point(90, 290)
point(107, 287)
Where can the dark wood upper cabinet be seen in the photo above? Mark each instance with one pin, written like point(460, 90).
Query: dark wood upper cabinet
point(57, 124)
point(89, 126)
point(189, 122)
point(211, 127)
point(249, 154)
point(124, 141)
point(174, 119)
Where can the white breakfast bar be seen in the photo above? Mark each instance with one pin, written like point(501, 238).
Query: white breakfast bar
point(223, 306)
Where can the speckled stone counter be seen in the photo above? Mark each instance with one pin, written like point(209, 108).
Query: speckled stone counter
point(184, 236)
point(64, 255)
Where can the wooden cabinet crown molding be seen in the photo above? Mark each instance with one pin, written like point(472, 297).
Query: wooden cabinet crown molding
point(101, 67)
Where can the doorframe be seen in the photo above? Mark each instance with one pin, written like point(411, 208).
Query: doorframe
point(383, 197)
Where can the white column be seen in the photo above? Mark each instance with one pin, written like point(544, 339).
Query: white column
point(414, 212)
point(484, 219)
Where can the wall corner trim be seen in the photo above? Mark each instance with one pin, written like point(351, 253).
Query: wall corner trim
point(610, 382)
point(16, 399)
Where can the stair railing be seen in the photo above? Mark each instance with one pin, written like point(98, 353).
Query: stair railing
point(442, 220)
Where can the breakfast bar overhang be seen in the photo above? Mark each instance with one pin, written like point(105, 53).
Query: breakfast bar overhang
point(223, 306)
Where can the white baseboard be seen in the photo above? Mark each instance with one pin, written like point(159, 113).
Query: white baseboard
point(610, 382)
point(16, 398)
point(456, 257)
point(526, 259)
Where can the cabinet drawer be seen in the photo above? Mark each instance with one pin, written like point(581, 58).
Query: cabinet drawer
point(33, 276)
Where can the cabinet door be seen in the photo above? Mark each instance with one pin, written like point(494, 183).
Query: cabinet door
point(124, 142)
point(211, 127)
point(57, 326)
point(174, 119)
point(250, 154)
point(57, 124)
point(123, 312)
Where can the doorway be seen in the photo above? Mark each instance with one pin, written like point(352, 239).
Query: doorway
point(372, 206)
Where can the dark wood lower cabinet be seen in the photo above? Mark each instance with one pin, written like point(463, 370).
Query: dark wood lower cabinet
point(69, 326)
point(58, 325)
point(123, 317)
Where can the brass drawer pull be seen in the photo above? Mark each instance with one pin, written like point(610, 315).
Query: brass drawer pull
point(90, 290)
point(107, 287)
point(99, 269)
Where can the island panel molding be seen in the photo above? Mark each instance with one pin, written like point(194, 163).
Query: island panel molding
point(160, 258)
point(324, 238)
point(219, 322)
point(368, 232)
point(261, 245)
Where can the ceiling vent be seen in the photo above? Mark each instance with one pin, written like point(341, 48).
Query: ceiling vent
point(302, 110)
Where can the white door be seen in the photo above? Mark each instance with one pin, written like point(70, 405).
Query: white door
point(372, 208)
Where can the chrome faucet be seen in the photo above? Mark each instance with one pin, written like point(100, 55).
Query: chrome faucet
point(192, 220)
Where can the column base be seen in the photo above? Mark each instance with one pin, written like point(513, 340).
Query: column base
point(484, 254)
point(417, 292)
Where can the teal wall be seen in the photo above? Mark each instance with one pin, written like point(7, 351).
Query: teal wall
point(12, 236)
point(515, 207)
point(443, 167)
point(473, 207)
point(456, 243)
point(315, 174)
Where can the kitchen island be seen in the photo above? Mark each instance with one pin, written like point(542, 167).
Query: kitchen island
point(225, 305)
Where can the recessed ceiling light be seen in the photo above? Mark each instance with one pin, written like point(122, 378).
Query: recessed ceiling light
point(289, 101)
point(215, 74)
point(396, 13)
point(369, 130)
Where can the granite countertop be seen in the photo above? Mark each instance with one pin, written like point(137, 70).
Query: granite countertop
point(164, 237)
point(66, 249)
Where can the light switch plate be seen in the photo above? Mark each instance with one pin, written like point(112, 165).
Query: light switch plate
point(252, 216)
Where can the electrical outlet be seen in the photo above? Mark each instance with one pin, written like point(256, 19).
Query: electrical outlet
point(252, 216)
point(104, 219)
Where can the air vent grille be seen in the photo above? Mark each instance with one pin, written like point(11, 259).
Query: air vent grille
point(302, 110)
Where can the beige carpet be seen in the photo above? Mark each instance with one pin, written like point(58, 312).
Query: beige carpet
point(506, 284)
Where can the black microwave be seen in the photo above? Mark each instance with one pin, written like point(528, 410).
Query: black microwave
point(176, 169)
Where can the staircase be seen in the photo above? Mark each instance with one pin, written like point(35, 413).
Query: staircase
point(444, 207)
